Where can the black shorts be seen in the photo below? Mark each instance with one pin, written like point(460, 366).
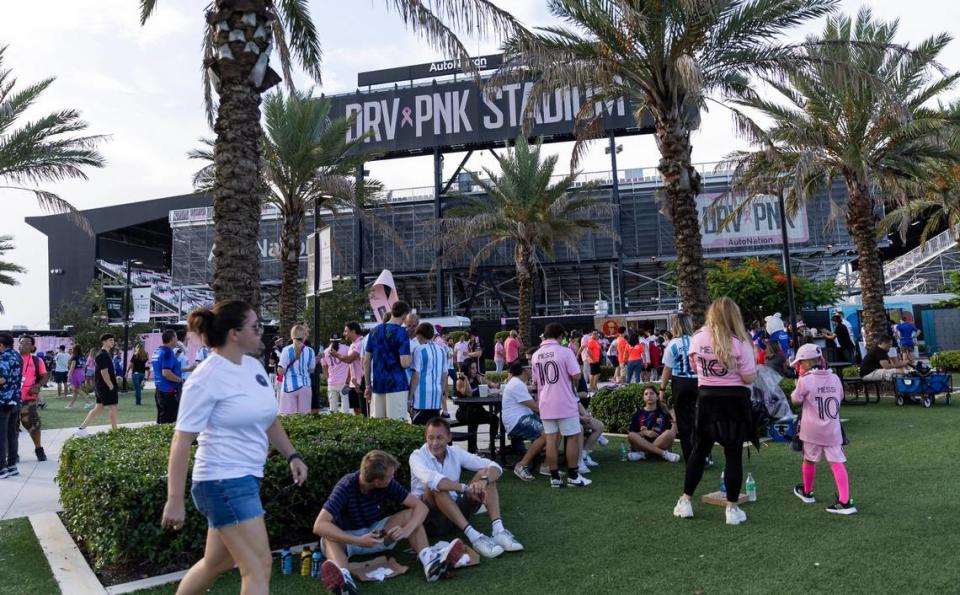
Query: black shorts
point(595, 369)
point(108, 397)
point(60, 377)
point(614, 360)
point(437, 525)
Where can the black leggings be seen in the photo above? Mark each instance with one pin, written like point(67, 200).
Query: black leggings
point(732, 473)
point(685, 408)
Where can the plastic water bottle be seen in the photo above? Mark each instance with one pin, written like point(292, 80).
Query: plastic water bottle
point(751, 488)
point(315, 565)
point(623, 451)
point(723, 485)
point(305, 562)
point(286, 561)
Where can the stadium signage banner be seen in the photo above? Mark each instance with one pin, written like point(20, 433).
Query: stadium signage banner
point(758, 224)
point(460, 115)
point(428, 70)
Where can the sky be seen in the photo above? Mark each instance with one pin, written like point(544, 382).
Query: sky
point(141, 86)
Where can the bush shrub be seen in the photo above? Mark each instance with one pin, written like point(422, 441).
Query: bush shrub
point(606, 373)
point(457, 336)
point(498, 377)
point(946, 360)
point(501, 335)
point(851, 372)
point(615, 407)
point(113, 487)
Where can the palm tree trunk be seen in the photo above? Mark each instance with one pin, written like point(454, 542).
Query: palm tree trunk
point(524, 262)
point(682, 184)
point(862, 227)
point(291, 295)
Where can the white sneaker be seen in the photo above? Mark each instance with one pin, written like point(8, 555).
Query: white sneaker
point(507, 541)
point(544, 470)
point(580, 481)
point(735, 515)
point(583, 468)
point(602, 440)
point(556, 483)
point(683, 509)
point(590, 462)
point(671, 457)
point(69, 407)
point(88, 405)
point(486, 547)
point(636, 456)
point(81, 432)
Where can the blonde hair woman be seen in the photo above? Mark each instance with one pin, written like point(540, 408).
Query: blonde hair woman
point(721, 354)
point(297, 362)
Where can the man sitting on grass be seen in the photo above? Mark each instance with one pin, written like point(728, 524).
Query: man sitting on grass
point(435, 470)
point(352, 523)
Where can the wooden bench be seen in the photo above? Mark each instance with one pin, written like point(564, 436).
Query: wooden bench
point(856, 385)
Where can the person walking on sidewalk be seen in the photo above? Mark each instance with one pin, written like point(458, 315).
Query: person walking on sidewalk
point(10, 378)
point(34, 378)
point(137, 371)
point(61, 363)
point(77, 377)
point(108, 392)
point(230, 409)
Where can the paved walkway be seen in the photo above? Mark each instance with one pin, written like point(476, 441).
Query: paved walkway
point(34, 490)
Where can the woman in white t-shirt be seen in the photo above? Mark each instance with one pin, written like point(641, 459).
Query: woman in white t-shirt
point(229, 406)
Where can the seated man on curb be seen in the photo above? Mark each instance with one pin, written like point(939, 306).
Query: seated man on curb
point(352, 523)
point(435, 470)
point(652, 430)
point(878, 366)
point(521, 418)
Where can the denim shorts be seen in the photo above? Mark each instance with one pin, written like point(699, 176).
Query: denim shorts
point(356, 550)
point(529, 427)
point(227, 502)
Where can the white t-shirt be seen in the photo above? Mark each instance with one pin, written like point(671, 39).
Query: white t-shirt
point(61, 361)
point(515, 393)
point(230, 406)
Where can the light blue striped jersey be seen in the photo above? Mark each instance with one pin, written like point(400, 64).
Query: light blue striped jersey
point(430, 360)
point(296, 374)
point(677, 357)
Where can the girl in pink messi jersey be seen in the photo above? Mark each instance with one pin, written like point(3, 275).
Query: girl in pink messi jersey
point(820, 392)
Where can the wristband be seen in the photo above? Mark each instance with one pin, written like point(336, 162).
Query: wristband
point(294, 455)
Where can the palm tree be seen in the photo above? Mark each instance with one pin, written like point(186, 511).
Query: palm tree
point(237, 44)
point(45, 150)
point(8, 268)
point(936, 208)
point(838, 124)
point(667, 58)
point(524, 212)
point(306, 159)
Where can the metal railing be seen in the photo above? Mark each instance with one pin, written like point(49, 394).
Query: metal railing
point(908, 262)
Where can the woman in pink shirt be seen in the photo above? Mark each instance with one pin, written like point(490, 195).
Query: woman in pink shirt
point(722, 354)
point(499, 355)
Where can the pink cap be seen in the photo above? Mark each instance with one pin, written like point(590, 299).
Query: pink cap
point(808, 351)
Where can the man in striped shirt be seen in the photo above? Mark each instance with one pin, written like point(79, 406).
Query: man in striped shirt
point(429, 379)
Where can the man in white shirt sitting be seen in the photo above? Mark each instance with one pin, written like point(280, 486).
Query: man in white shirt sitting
point(435, 470)
point(521, 418)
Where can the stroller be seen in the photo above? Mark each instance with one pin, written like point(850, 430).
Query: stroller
point(922, 386)
point(771, 409)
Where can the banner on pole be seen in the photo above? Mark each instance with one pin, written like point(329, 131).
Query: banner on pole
point(325, 261)
point(141, 304)
point(113, 296)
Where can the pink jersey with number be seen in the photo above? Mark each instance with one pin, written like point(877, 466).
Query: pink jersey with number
point(336, 370)
point(553, 367)
point(820, 392)
point(710, 370)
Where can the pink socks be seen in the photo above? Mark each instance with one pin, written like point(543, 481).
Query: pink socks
point(840, 476)
point(809, 473)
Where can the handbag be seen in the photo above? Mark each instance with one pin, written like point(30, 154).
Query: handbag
point(796, 443)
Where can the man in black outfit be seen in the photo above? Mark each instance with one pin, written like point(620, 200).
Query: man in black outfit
point(105, 382)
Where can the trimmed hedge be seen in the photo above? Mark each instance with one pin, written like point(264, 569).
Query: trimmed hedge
point(501, 335)
point(946, 360)
point(498, 377)
point(113, 486)
point(615, 407)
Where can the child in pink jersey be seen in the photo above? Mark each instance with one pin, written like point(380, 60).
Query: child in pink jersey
point(820, 393)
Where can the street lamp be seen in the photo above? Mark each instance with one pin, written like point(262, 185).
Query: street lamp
point(787, 269)
point(126, 318)
point(316, 268)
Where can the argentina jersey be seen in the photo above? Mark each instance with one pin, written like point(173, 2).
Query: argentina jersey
point(430, 360)
point(678, 358)
point(296, 373)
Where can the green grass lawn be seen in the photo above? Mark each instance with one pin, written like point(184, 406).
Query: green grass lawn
point(56, 416)
point(618, 535)
point(25, 568)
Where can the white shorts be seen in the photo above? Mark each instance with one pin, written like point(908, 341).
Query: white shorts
point(337, 404)
point(390, 405)
point(833, 454)
point(568, 426)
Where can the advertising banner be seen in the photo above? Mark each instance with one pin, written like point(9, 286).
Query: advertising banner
point(113, 296)
point(757, 225)
point(383, 295)
point(141, 304)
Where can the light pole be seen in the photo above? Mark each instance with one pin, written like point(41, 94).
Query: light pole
point(316, 273)
point(787, 269)
point(126, 319)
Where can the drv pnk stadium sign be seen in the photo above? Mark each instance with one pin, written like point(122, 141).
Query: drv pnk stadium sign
point(459, 115)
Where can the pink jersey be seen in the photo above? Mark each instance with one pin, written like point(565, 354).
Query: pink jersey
point(336, 370)
point(713, 372)
point(356, 368)
point(553, 367)
point(820, 392)
point(499, 353)
point(511, 349)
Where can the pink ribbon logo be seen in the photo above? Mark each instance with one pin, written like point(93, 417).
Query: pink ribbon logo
point(407, 117)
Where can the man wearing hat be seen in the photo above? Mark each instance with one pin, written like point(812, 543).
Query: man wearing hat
point(335, 372)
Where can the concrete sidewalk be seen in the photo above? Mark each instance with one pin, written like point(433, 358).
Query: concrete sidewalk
point(34, 490)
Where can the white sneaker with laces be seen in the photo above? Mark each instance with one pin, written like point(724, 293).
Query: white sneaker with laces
point(636, 456)
point(556, 483)
point(486, 547)
point(602, 440)
point(507, 541)
point(683, 509)
point(735, 515)
point(81, 432)
point(544, 470)
point(580, 481)
point(583, 468)
point(590, 462)
point(671, 457)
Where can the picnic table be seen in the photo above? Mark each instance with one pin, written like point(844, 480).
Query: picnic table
point(494, 404)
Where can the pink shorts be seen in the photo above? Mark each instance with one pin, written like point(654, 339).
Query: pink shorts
point(833, 454)
point(297, 401)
